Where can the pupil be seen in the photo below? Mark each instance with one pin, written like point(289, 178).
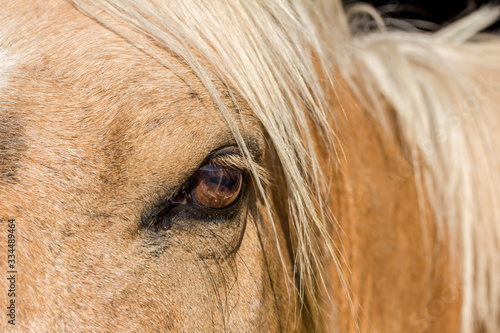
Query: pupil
point(223, 181)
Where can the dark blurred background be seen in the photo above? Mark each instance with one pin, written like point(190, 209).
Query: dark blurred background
point(428, 14)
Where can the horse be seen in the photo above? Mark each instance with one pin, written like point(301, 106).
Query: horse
point(246, 166)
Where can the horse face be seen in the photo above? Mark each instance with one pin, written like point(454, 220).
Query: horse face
point(108, 149)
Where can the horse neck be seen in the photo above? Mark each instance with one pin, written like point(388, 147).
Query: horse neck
point(400, 276)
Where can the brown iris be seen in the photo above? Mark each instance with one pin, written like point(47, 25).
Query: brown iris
point(213, 186)
point(216, 186)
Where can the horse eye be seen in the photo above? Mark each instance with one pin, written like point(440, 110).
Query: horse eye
point(216, 186)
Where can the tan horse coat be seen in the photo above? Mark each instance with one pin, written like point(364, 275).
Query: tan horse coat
point(396, 286)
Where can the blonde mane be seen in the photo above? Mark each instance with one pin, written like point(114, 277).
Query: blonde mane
point(443, 90)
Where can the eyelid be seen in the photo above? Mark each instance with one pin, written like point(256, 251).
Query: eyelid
point(229, 156)
point(233, 158)
point(235, 161)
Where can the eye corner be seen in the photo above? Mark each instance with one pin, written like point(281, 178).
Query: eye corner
point(150, 218)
